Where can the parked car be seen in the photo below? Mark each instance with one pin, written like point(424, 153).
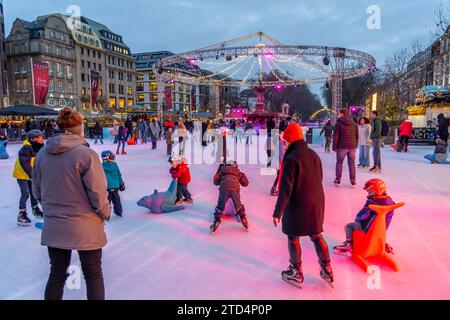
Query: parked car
point(431, 93)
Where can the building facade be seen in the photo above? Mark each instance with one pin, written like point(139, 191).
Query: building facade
point(120, 67)
point(4, 101)
point(45, 40)
point(184, 97)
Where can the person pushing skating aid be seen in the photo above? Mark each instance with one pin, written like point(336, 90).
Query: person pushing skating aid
point(301, 205)
point(115, 181)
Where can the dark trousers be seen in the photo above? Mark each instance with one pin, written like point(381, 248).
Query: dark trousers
point(277, 180)
point(183, 192)
point(114, 198)
point(351, 155)
point(295, 250)
point(403, 146)
point(224, 196)
point(121, 141)
point(327, 144)
point(26, 193)
point(376, 152)
point(169, 149)
point(91, 263)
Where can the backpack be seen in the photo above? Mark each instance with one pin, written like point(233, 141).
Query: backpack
point(385, 127)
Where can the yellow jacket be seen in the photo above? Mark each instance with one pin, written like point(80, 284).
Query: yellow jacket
point(27, 154)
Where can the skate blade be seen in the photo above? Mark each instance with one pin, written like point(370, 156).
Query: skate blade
point(330, 284)
point(343, 253)
point(293, 283)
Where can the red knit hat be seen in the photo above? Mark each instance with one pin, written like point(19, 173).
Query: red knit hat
point(293, 133)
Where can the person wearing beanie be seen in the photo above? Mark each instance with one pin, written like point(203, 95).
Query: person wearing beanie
point(345, 143)
point(69, 181)
point(301, 205)
point(23, 173)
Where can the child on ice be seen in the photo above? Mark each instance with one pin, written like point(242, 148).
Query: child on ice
point(229, 179)
point(115, 182)
point(377, 191)
point(181, 172)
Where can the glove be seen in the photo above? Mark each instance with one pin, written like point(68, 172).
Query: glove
point(122, 187)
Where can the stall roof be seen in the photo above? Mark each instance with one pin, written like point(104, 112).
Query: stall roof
point(27, 110)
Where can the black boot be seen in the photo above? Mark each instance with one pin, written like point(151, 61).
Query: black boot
point(293, 276)
point(215, 226)
point(243, 217)
point(23, 220)
point(37, 212)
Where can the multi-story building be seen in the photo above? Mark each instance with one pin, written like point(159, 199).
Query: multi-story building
point(185, 97)
point(3, 82)
point(46, 40)
point(120, 67)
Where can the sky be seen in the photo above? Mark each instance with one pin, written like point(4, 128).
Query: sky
point(184, 25)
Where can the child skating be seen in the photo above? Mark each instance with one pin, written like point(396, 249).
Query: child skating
point(181, 172)
point(229, 179)
point(377, 195)
point(23, 173)
point(115, 181)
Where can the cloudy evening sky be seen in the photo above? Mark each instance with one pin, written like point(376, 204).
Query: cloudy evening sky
point(184, 25)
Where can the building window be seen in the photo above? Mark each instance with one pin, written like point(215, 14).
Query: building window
point(58, 51)
point(121, 89)
point(153, 86)
point(99, 67)
point(47, 48)
point(140, 86)
point(122, 102)
point(60, 86)
point(112, 103)
point(82, 63)
point(83, 77)
point(140, 98)
point(154, 97)
point(112, 88)
point(69, 71)
point(59, 68)
point(83, 91)
point(129, 91)
point(89, 64)
point(130, 102)
point(140, 76)
point(82, 51)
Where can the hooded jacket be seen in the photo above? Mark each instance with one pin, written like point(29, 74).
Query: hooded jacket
point(182, 173)
point(406, 129)
point(113, 175)
point(24, 162)
point(346, 134)
point(230, 178)
point(69, 182)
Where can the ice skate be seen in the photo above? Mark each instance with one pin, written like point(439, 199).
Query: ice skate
point(215, 226)
point(23, 220)
point(274, 192)
point(326, 273)
point(189, 200)
point(178, 202)
point(346, 248)
point(375, 170)
point(124, 153)
point(389, 249)
point(293, 276)
point(337, 183)
point(354, 184)
point(37, 212)
point(244, 222)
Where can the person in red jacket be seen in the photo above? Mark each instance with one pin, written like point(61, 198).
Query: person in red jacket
point(181, 172)
point(405, 131)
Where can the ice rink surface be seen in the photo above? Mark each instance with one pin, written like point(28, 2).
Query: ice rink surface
point(173, 256)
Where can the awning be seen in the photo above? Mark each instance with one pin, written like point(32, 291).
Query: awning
point(27, 110)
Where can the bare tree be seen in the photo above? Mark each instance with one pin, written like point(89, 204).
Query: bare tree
point(441, 19)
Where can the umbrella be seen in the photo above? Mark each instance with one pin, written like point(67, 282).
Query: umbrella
point(27, 110)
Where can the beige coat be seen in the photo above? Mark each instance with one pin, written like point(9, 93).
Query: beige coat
point(69, 182)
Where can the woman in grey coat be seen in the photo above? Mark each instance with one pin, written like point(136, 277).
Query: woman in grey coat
point(154, 131)
point(71, 186)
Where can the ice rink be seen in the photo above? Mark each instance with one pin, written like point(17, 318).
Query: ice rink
point(174, 256)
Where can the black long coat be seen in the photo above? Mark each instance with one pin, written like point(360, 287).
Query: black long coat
point(301, 201)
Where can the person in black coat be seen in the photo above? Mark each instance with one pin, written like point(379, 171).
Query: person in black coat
point(121, 139)
point(98, 133)
point(301, 204)
point(443, 124)
point(345, 143)
point(204, 129)
point(129, 127)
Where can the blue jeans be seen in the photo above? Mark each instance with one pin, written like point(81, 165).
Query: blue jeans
point(98, 137)
point(432, 158)
point(351, 156)
point(376, 153)
point(364, 158)
point(25, 194)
